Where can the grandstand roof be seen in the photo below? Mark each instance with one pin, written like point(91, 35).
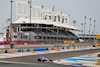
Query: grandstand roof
point(38, 21)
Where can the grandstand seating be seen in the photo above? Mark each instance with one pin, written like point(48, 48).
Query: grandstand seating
point(64, 32)
point(71, 33)
point(51, 32)
point(36, 31)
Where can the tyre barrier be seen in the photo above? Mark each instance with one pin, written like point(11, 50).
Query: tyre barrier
point(31, 49)
point(28, 50)
point(96, 45)
point(39, 49)
point(55, 48)
point(65, 47)
point(19, 50)
point(68, 48)
point(2, 51)
point(93, 45)
point(80, 46)
point(84, 46)
point(98, 55)
point(76, 47)
point(42, 49)
point(62, 47)
point(12, 51)
point(71, 47)
point(46, 48)
point(5, 51)
point(88, 46)
point(50, 49)
point(24, 50)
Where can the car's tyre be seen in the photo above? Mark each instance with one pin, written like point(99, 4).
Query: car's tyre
point(50, 60)
point(43, 60)
point(39, 59)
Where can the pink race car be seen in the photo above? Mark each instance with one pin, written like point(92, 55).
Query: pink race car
point(44, 59)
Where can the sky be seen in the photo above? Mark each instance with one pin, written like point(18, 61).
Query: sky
point(76, 8)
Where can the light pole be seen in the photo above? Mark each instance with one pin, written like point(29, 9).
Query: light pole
point(7, 21)
point(8, 26)
point(2, 29)
point(89, 29)
point(30, 2)
point(94, 30)
point(84, 27)
point(57, 36)
point(11, 22)
point(74, 25)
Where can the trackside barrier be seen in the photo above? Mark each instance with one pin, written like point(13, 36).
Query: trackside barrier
point(31, 49)
point(68, 48)
point(91, 46)
point(84, 46)
point(12, 51)
point(58, 49)
point(19, 50)
point(65, 48)
point(76, 47)
point(46, 48)
point(24, 50)
point(39, 49)
point(71, 47)
point(55, 48)
point(80, 46)
point(5, 51)
point(97, 45)
point(94, 46)
point(62, 47)
point(2, 51)
point(87, 46)
point(42, 49)
point(28, 50)
point(52, 48)
point(49, 48)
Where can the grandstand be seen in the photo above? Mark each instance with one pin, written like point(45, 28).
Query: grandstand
point(46, 26)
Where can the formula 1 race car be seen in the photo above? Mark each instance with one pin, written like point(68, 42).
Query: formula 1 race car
point(44, 59)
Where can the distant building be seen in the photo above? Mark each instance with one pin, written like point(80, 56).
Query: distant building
point(46, 26)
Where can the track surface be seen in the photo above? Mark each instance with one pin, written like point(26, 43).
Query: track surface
point(53, 56)
point(29, 65)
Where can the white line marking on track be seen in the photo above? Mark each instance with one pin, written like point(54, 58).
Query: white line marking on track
point(21, 63)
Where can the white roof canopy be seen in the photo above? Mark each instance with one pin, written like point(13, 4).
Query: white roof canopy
point(38, 21)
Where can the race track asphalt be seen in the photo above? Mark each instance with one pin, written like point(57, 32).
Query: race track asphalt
point(53, 56)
